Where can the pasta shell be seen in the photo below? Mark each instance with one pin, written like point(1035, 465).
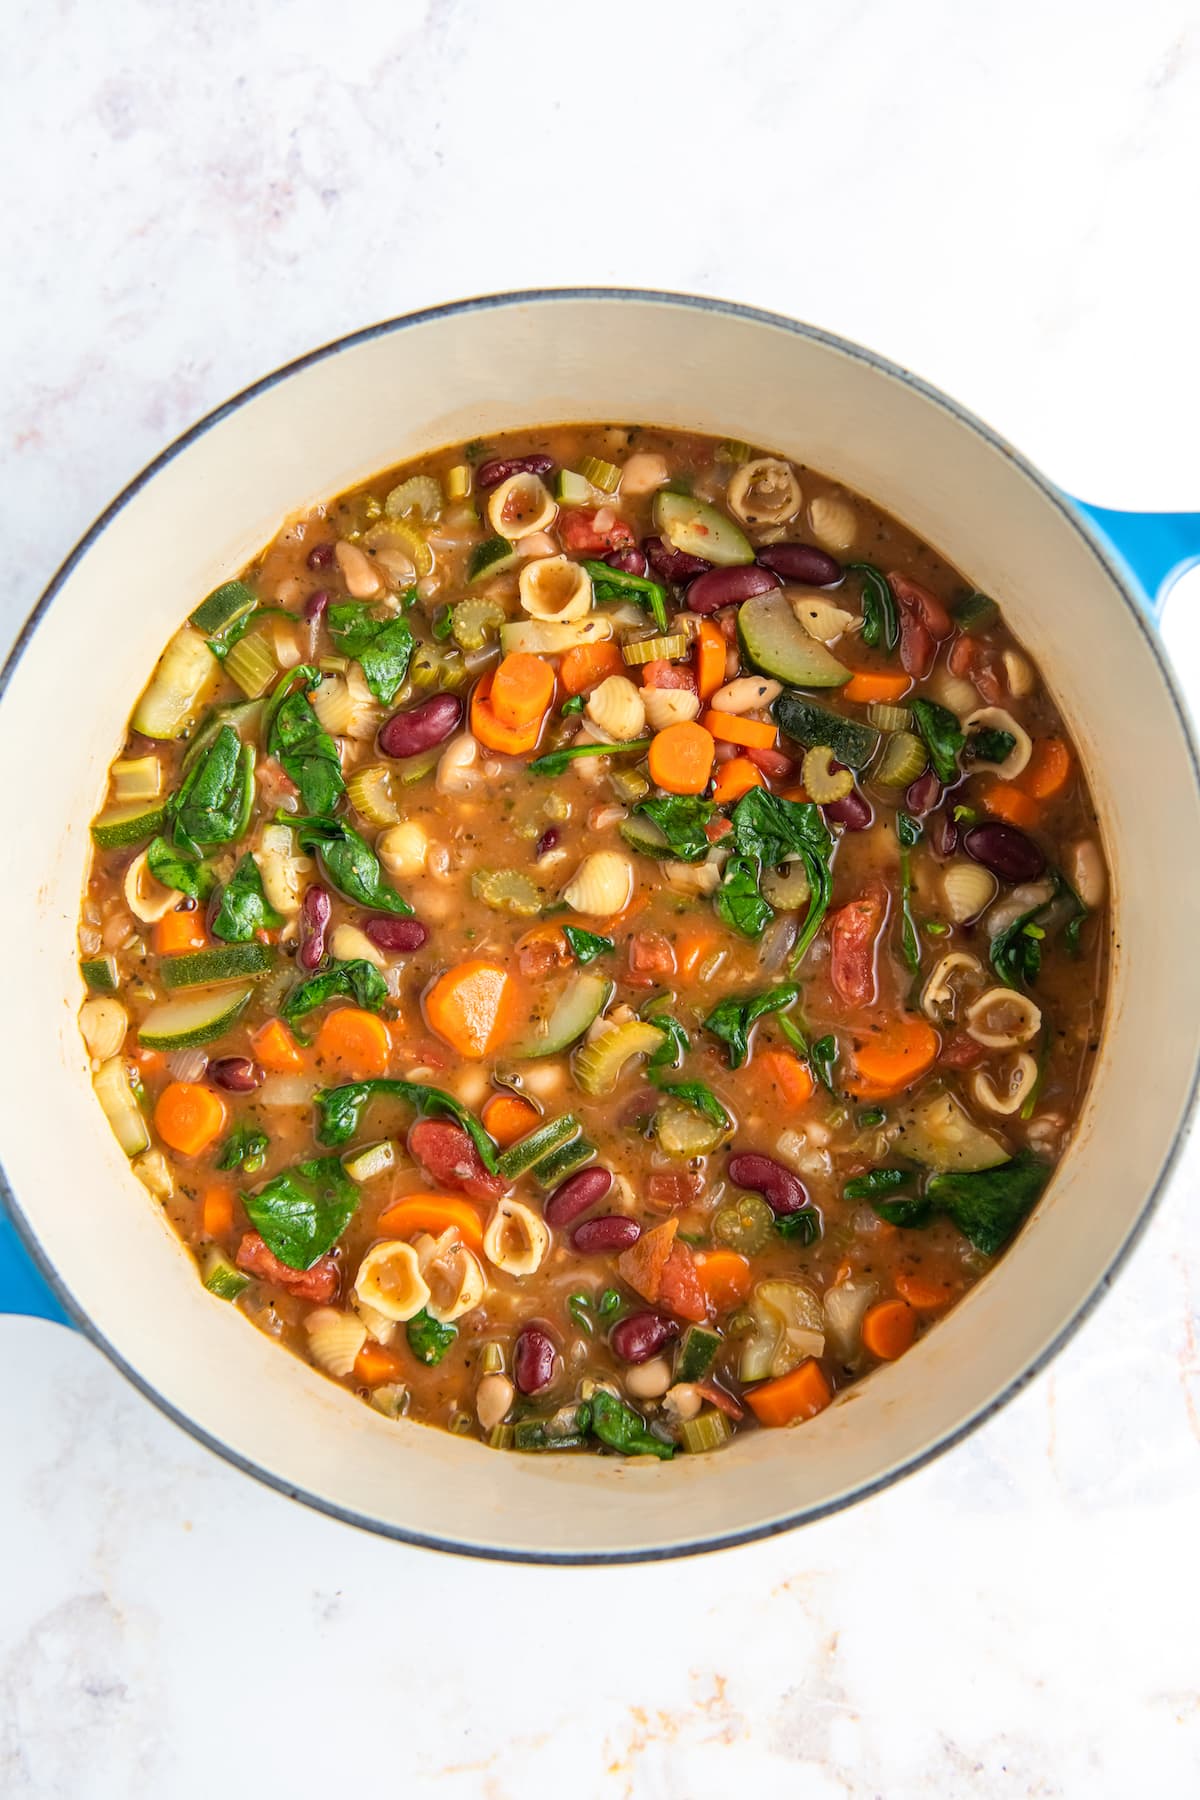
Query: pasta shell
point(382, 1329)
point(602, 884)
point(554, 587)
point(146, 898)
point(834, 523)
point(516, 1239)
point(821, 618)
point(954, 691)
point(520, 505)
point(333, 706)
point(763, 492)
point(939, 997)
point(669, 706)
point(1022, 1073)
point(334, 1339)
point(967, 888)
point(1018, 673)
point(103, 1024)
point(994, 718)
point(1001, 1019)
point(616, 707)
point(389, 1279)
point(454, 1276)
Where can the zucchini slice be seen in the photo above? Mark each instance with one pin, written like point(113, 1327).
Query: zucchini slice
point(171, 702)
point(852, 743)
point(195, 1018)
point(221, 1277)
point(641, 833)
point(583, 1001)
point(204, 968)
point(536, 1144)
point(100, 974)
point(492, 557)
point(699, 529)
point(563, 1162)
point(939, 1134)
point(121, 827)
point(233, 600)
point(697, 1353)
point(775, 643)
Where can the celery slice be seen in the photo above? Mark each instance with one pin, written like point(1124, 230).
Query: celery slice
point(599, 1063)
point(251, 663)
point(709, 1431)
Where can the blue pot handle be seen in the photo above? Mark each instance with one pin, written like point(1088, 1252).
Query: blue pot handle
point(1155, 549)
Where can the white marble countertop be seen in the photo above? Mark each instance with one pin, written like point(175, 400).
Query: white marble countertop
point(1006, 201)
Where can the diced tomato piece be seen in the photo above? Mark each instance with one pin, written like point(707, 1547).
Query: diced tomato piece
point(716, 1396)
point(962, 1052)
point(651, 959)
point(679, 1289)
point(318, 1283)
point(590, 531)
point(923, 605)
point(662, 674)
point(853, 930)
point(666, 1191)
point(643, 1263)
point(448, 1156)
point(981, 666)
point(716, 829)
point(773, 763)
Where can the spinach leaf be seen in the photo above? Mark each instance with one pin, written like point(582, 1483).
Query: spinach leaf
point(989, 746)
point(177, 870)
point(681, 821)
point(578, 1305)
point(584, 946)
point(557, 762)
point(302, 1212)
point(943, 736)
point(618, 1426)
point(381, 646)
point(738, 902)
point(427, 1339)
point(820, 1056)
point(295, 738)
point(803, 1227)
point(877, 1183)
point(768, 830)
point(342, 1107)
point(570, 707)
point(731, 1019)
point(1016, 952)
point(908, 831)
point(675, 1044)
point(989, 1204)
point(911, 1214)
point(359, 981)
point(697, 1094)
point(880, 622)
point(349, 864)
point(244, 910)
point(613, 584)
point(214, 803)
point(245, 1148)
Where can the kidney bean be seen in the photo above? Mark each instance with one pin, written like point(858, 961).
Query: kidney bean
point(924, 605)
point(611, 1231)
point(641, 1336)
point(315, 606)
point(772, 762)
point(783, 1192)
point(547, 841)
point(924, 793)
point(396, 934)
point(421, 727)
point(630, 562)
point(320, 556)
point(315, 911)
point(673, 565)
point(854, 812)
point(800, 562)
point(449, 1156)
point(916, 646)
point(1004, 850)
point(491, 474)
point(942, 834)
point(574, 1195)
point(236, 1074)
point(729, 587)
point(535, 1359)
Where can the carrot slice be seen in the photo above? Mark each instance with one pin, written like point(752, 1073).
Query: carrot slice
point(681, 758)
point(1047, 770)
point(923, 1292)
point(710, 658)
point(888, 1329)
point(178, 932)
point(356, 1040)
point(216, 1212)
point(188, 1117)
point(642, 1265)
point(725, 1276)
point(801, 1395)
point(784, 1072)
point(735, 778)
point(868, 685)
point(507, 1117)
point(491, 730)
point(587, 665)
point(694, 944)
point(470, 1006)
point(375, 1364)
point(276, 1049)
point(522, 689)
point(731, 728)
point(434, 1213)
point(1006, 801)
point(891, 1057)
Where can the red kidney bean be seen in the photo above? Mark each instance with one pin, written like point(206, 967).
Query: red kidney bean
point(630, 562)
point(916, 646)
point(924, 793)
point(236, 1074)
point(729, 587)
point(772, 762)
point(673, 565)
point(925, 606)
point(574, 1195)
point(1004, 850)
point(800, 562)
point(782, 1191)
point(320, 556)
point(449, 1156)
point(547, 841)
point(396, 934)
point(641, 1336)
point(942, 835)
point(315, 605)
point(421, 727)
point(491, 474)
point(854, 812)
point(535, 1359)
point(611, 1231)
point(315, 911)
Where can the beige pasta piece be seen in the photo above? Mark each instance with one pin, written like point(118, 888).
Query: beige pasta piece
point(333, 706)
point(995, 718)
point(147, 898)
point(453, 1274)
point(953, 691)
point(349, 944)
point(1019, 1079)
point(1001, 1019)
point(821, 618)
point(745, 694)
point(520, 505)
point(967, 888)
point(382, 1329)
point(402, 849)
point(358, 571)
point(390, 1280)
point(103, 1024)
point(334, 1339)
point(556, 589)
point(1019, 674)
point(834, 523)
point(516, 1239)
point(763, 492)
point(616, 707)
point(669, 706)
point(939, 997)
point(602, 884)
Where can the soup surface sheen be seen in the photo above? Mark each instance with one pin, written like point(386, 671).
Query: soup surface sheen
point(596, 940)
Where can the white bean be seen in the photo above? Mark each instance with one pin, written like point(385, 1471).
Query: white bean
point(642, 473)
point(745, 694)
point(358, 571)
point(1085, 868)
point(493, 1397)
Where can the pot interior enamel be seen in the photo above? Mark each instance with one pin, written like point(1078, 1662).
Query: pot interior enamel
point(472, 371)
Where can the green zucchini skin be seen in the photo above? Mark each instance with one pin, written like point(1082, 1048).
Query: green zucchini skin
point(852, 743)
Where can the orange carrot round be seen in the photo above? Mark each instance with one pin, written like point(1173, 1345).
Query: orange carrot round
point(188, 1117)
point(1006, 801)
point(711, 651)
point(694, 944)
point(216, 1212)
point(888, 1329)
point(587, 665)
point(789, 1398)
point(871, 685)
point(784, 1072)
point(735, 778)
point(725, 1278)
point(375, 1364)
point(507, 1117)
point(891, 1058)
point(681, 759)
point(356, 1040)
point(178, 932)
point(924, 1293)
point(490, 729)
point(276, 1049)
point(1047, 770)
point(731, 728)
point(470, 1006)
point(434, 1213)
point(522, 689)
